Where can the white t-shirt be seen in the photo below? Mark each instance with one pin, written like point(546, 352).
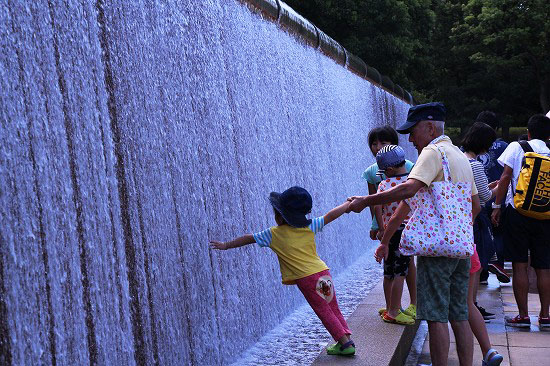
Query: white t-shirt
point(513, 157)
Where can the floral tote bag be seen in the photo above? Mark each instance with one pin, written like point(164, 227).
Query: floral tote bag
point(441, 220)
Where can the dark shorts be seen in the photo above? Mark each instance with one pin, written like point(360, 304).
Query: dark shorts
point(442, 288)
point(523, 234)
point(397, 264)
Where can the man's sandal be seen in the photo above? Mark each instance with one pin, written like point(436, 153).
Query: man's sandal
point(492, 358)
point(347, 349)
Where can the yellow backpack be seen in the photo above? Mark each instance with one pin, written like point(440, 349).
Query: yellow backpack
point(532, 196)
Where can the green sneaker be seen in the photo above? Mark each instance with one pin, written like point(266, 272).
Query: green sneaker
point(410, 311)
point(347, 349)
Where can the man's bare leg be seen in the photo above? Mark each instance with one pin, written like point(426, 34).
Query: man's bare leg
point(543, 285)
point(439, 343)
point(520, 284)
point(464, 342)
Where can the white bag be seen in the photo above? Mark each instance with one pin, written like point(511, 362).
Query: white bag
point(441, 220)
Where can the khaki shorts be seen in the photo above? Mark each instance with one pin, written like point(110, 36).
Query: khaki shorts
point(442, 289)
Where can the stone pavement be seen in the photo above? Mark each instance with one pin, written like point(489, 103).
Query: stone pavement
point(518, 346)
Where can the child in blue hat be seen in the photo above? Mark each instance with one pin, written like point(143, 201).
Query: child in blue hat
point(391, 163)
point(293, 242)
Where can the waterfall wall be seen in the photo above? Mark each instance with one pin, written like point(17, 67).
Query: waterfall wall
point(132, 132)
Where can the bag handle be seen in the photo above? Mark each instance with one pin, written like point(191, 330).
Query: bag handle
point(444, 160)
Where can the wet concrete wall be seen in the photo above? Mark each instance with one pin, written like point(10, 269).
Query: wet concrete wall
point(134, 132)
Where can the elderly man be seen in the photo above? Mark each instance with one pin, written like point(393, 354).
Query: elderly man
point(442, 283)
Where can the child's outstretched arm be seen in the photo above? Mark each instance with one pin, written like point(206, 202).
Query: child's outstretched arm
point(235, 243)
point(336, 212)
point(395, 221)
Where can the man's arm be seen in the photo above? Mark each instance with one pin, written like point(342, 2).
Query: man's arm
point(502, 189)
point(398, 193)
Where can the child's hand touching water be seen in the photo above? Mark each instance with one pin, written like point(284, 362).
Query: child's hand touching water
point(220, 245)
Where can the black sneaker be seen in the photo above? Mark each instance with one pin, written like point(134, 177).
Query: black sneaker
point(483, 276)
point(487, 316)
point(499, 272)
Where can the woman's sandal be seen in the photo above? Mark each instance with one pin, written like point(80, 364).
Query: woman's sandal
point(347, 349)
point(492, 358)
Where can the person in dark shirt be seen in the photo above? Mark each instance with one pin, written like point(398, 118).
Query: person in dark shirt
point(493, 170)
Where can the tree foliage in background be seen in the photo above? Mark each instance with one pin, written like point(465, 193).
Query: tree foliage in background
point(507, 44)
point(472, 55)
point(388, 35)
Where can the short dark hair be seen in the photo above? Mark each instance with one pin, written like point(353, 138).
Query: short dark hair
point(479, 138)
point(489, 118)
point(539, 127)
point(384, 133)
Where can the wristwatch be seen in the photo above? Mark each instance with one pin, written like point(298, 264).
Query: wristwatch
point(494, 205)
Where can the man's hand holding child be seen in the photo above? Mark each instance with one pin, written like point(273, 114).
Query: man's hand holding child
point(357, 204)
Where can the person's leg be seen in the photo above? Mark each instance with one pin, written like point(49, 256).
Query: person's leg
point(543, 286)
point(458, 311)
point(336, 311)
point(318, 290)
point(520, 285)
point(540, 261)
point(475, 319)
point(464, 342)
point(387, 291)
point(439, 342)
point(395, 299)
point(411, 281)
point(517, 232)
point(475, 286)
point(433, 285)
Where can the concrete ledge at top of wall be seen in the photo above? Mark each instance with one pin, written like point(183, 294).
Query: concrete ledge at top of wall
point(377, 343)
point(279, 12)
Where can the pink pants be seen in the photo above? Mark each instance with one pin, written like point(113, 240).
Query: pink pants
point(318, 290)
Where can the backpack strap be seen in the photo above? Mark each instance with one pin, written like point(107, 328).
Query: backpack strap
point(527, 147)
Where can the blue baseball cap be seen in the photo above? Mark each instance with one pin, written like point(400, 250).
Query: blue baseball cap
point(434, 111)
point(293, 205)
point(388, 156)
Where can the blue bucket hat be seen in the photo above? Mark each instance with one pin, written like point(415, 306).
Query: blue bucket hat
point(434, 111)
point(293, 205)
point(388, 156)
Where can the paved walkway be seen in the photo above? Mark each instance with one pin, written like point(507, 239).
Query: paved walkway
point(518, 346)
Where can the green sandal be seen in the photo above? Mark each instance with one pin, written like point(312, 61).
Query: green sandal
point(401, 318)
point(347, 349)
point(410, 311)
